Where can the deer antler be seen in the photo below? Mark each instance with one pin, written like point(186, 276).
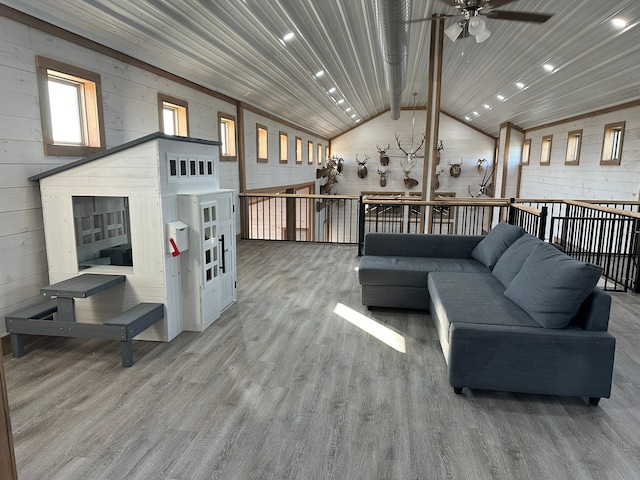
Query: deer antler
point(424, 137)
point(400, 146)
point(383, 150)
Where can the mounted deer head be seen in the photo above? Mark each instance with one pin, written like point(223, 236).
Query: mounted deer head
point(331, 171)
point(383, 176)
point(384, 159)
point(486, 186)
point(411, 154)
point(455, 169)
point(362, 170)
point(436, 184)
point(409, 183)
point(438, 150)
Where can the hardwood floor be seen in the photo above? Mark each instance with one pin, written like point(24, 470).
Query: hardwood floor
point(281, 387)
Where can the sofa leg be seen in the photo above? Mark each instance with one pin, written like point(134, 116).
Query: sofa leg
point(594, 401)
point(457, 390)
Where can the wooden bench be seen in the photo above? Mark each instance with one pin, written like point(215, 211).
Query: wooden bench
point(123, 327)
point(132, 322)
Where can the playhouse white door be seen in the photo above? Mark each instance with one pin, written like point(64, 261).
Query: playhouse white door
point(227, 240)
point(210, 306)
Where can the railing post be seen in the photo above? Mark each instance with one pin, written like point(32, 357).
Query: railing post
point(361, 214)
point(542, 228)
point(636, 256)
point(511, 215)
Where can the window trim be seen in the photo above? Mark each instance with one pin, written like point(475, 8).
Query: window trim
point(284, 152)
point(93, 110)
point(545, 150)
point(310, 152)
point(260, 159)
point(298, 150)
point(606, 157)
point(526, 152)
point(319, 154)
point(183, 120)
point(228, 158)
point(573, 148)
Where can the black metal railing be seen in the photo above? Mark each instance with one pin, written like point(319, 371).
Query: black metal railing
point(605, 236)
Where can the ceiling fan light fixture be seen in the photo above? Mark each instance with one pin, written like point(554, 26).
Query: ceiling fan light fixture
point(453, 31)
point(476, 26)
point(481, 37)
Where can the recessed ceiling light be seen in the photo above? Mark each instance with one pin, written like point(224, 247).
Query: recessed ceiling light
point(332, 90)
point(520, 85)
point(488, 107)
point(289, 36)
point(353, 115)
point(619, 22)
point(500, 97)
point(468, 119)
point(341, 101)
point(358, 120)
point(548, 67)
point(476, 113)
point(319, 73)
point(348, 109)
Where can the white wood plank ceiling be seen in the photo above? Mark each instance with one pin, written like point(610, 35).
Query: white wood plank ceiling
point(235, 47)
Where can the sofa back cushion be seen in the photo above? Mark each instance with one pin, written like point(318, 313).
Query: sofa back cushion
point(511, 261)
point(491, 247)
point(551, 286)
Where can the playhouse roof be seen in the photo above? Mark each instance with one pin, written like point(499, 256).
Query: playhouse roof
point(124, 146)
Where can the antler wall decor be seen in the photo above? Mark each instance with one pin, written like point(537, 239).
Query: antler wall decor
point(486, 185)
point(384, 159)
point(362, 170)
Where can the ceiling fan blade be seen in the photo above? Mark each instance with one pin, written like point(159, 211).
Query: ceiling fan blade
point(518, 16)
point(491, 4)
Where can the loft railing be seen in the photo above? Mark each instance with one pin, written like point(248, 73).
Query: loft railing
point(605, 236)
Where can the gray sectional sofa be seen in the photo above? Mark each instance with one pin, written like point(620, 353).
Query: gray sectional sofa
point(512, 312)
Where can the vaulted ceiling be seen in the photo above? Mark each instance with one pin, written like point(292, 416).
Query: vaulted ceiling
point(236, 47)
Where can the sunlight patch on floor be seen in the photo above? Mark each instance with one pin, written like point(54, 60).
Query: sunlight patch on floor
point(373, 328)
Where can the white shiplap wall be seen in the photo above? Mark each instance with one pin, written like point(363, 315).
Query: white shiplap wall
point(589, 179)
point(130, 109)
point(273, 173)
point(460, 143)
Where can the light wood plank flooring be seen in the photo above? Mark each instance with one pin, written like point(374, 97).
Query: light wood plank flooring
point(281, 387)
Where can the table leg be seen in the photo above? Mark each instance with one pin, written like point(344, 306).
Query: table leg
point(17, 345)
point(126, 352)
point(66, 310)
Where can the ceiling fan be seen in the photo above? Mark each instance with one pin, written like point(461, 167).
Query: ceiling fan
point(471, 22)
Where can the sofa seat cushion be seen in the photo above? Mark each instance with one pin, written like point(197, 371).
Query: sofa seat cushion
point(410, 271)
point(474, 298)
point(491, 248)
point(551, 286)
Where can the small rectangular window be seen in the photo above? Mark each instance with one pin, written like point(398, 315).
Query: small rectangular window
point(310, 152)
point(526, 152)
point(612, 143)
point(298, 150)
point(545, 153)
point(227, 129)
point(574, 144)
point(284, 147)
point(319, 154)
point(262, 143)
point(70, 109)
point(173, 115)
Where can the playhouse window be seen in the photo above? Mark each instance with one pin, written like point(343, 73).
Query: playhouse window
point(227, 127)
point(173, 115)
point(102, 231)
point(70, 109)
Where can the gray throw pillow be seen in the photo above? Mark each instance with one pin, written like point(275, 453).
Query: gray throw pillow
point(511, 261)
point(491, 247)
point(551, 286)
